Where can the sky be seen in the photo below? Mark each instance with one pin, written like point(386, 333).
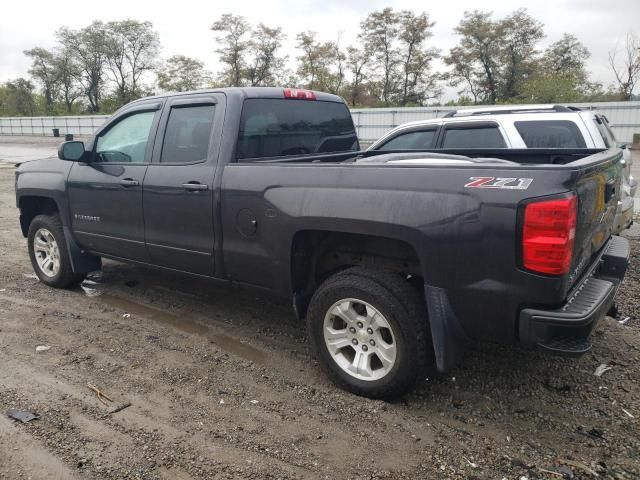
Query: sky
point(184, 26)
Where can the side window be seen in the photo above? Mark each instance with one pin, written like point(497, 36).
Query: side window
point(126, 141)
point(550, 134)
point(186, 138)
point(411, 141)
point(487, 136)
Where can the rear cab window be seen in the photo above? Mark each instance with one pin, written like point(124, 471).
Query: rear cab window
point(472, 135)
point(550, 134)
point(271, 127)
point(186, 138)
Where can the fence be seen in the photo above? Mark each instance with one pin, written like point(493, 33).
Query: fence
point(371, 123)
point(78, 125)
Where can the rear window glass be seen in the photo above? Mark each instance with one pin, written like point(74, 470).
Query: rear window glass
point(550, 134)
point(411, 141)
point(187, 136)
point(271, 127)
point(473, 137)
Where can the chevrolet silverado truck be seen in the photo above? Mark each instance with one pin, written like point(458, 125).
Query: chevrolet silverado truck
point(395, 259)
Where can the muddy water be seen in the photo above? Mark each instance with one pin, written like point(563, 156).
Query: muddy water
point(187, 325)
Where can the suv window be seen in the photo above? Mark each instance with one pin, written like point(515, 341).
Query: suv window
point(472, 136)
point(186, 138)
point(126, 141)
point(411, 141)
point(271, 127)
point(550, 134)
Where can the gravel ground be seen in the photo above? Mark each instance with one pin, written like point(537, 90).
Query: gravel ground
point(222, 384)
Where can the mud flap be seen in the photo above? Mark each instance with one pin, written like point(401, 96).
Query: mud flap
point(446, 332)
point(81, 262)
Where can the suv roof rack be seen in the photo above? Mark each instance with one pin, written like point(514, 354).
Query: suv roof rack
point(511, 109)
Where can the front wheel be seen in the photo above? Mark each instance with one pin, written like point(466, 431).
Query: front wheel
point(48, 253)
point(370, 332)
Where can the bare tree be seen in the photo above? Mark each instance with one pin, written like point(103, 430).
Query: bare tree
point(626, 65)
point(234, 41)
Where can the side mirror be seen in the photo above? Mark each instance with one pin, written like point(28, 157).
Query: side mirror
point(72, 151)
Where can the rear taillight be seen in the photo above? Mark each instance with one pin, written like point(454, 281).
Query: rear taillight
point(548, 235)
point(298, 94)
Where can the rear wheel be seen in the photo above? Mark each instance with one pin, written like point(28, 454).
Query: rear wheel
point(370, 332)
point(48, 253)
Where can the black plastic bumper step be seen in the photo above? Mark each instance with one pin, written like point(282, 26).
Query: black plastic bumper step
point(567, 345)
point(615, 259)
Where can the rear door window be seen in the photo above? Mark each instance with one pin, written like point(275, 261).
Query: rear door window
point(271, 127)
point(550, 134)
point(473, 136)
point(186, 139)
point(416, 140)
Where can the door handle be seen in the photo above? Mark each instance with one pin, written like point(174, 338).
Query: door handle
point(129, 182)
point(195, 186)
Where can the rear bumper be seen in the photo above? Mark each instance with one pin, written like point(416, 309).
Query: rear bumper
point(566, 330)
point(624, 215)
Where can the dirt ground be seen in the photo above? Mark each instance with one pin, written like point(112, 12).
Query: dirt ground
point(222, 384)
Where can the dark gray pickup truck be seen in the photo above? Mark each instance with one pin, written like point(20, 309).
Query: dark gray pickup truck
point(396, 259)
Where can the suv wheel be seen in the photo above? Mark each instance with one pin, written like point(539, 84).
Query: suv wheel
point(48, 253)
point(370, 332)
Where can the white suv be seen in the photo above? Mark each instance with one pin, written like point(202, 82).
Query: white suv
point(517, 126)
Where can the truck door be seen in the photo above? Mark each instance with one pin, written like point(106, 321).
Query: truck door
point(178, 187)
point(105, 194)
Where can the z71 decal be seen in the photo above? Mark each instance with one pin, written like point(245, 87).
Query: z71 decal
point(498, 182)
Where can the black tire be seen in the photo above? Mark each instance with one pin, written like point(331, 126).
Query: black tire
point(65, 276)
point(405, 311)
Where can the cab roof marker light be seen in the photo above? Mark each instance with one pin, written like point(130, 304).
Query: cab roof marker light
point(297, 94)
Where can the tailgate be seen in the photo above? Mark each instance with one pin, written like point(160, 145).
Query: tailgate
point(598, 188)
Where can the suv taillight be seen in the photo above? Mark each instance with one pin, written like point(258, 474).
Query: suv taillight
point(548, 235)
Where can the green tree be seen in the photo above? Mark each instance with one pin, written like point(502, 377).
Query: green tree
point(17, 98)
point(566, 56)
point(44, 71)
point(315, 62)
point(379, 33)
point(88, 46)
point(518, 34)
point(417, 82)
point(356, 64)
point(267, 67)
point(132, 49)
point(67, 74)
point(495, 58)
point(233, 49)
point(181, 73)
point(465, 74)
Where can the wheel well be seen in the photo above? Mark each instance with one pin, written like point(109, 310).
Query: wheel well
point(32, 206)
point(316, 255)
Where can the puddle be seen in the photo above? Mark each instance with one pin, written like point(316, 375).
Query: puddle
point(187, 325)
